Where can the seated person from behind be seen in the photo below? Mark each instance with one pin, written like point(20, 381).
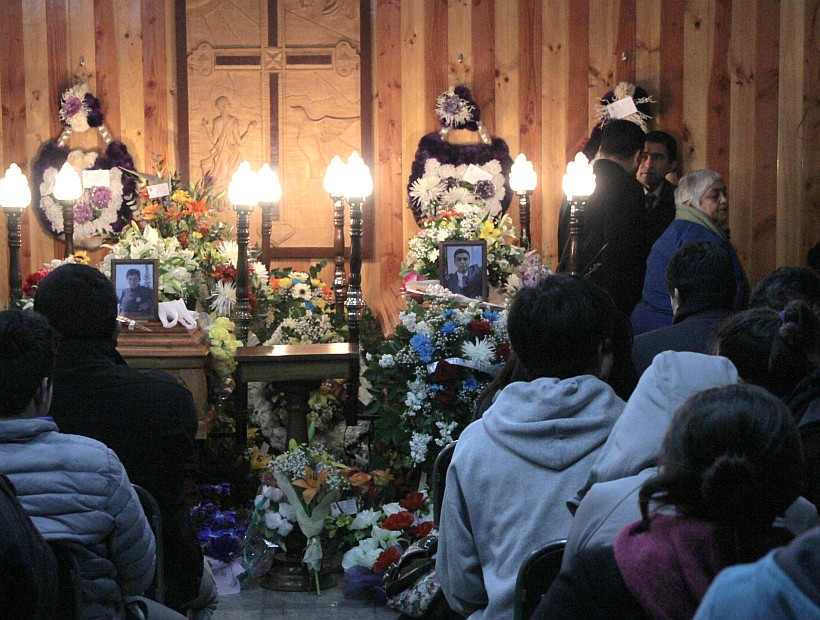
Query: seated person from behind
point(700, 279)
point(28, 570)
point(513, 468)
point(730, 463)
point(147, 417)
point(467, 279)
point(72, 487)
point(136, 299)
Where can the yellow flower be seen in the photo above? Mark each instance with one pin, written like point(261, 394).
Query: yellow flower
point(319, 304)
point(180, 196)
point(218, 333)
point(285, 283)
point(81, 256)
point(489, 231)
point(317, 283)
point(197, 235)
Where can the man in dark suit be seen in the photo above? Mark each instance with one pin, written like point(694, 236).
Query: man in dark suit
point(659, 158)
point(467, 279)
point(701, 282)
point(136, 299)
point(614, 241)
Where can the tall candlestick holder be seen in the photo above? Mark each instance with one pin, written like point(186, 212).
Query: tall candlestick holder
point(15, 238)
point(524, 215)
point(68, 225)
point(339, 276)
point(267, 227)
point(354, 301)
point(242, 311)
point(577, 212)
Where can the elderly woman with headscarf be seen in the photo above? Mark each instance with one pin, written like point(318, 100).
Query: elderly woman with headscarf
point(701, 214)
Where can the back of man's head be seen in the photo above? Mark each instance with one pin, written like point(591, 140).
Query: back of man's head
point(622, 139)
point(26, 358)
point(703, 274)
point(79, 302)
point(786, 284)
point(558, 327)
point(667, 140)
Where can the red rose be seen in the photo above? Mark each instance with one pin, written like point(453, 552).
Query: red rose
point(413, 501)
point(385, 559)
point(503, 350)
point(183, 239)
point(480, 328)
point(446, 397)
point(422, 529)
point(445, 371)
point(399, 521)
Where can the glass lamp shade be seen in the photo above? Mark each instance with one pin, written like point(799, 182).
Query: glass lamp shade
point(579, 179)
point(270, 190)
point(14, 189)
point(335, 177)
point(242, 188)
point(68, 186)
point(522, 175)
point(357, 181)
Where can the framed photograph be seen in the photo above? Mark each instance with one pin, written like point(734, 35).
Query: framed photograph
point(136, 282)
point(464, 267)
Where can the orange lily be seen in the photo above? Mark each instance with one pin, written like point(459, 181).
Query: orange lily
point(311, 483)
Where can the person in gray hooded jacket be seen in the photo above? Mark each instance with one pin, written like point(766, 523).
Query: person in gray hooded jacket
point(513, 468)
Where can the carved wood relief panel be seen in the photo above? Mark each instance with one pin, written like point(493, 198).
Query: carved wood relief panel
point(285, 82)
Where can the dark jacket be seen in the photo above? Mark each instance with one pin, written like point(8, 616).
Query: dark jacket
point(614, 242)
point(804, 403)
point(28, 570)
point(654, 309)
point(662, 212)
point(474, 284)
point(690, 332)
point(149, 420)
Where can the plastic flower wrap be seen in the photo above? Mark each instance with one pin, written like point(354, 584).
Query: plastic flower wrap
point(530, 272)
point(466, 222)
point(425, 379)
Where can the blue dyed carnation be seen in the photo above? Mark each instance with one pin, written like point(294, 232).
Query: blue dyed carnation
point(449, 327)
point(423, 347)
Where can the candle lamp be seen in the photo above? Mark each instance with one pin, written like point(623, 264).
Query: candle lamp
point(67, 191)
point(15, 196)
point(358, 185)
point(270, 193)
point(578, 184)
point(522, 182)
point(334, 185)
point(243, 195)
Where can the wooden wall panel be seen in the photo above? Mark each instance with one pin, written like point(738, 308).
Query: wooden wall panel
point(737, 81)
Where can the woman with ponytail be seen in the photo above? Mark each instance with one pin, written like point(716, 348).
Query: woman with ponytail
point(731, 462)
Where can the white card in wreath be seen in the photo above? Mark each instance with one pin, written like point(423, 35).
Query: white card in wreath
point(158, 191)
point(621, 108)
point(474, 174)
point(96, 178)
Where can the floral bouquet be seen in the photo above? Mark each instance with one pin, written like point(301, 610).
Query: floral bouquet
point(425, 379)
point(382, 535)
point(465, 222)
point(218, 265)
point(184, 213)
point(311, 481)
point(26, 302)
point(444, 185)
point(223, 345)
point(532, 270)
point(221, 533)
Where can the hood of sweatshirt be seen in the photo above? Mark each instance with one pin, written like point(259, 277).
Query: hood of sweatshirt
point(636, 439)
point(551, 422)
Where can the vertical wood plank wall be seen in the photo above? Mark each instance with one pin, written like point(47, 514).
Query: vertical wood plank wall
point(737, 82)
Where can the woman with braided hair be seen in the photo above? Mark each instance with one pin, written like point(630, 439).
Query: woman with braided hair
point(731, 462)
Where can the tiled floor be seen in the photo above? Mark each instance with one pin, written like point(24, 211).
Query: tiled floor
point(257, 603)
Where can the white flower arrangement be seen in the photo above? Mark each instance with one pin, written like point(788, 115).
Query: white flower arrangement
point(96, 210)
point(443, 187)
point(178, 269)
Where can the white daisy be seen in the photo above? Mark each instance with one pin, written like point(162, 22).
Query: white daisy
point(224, 298)
point(300, 290)
point(482, 352)
point(258, 270)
